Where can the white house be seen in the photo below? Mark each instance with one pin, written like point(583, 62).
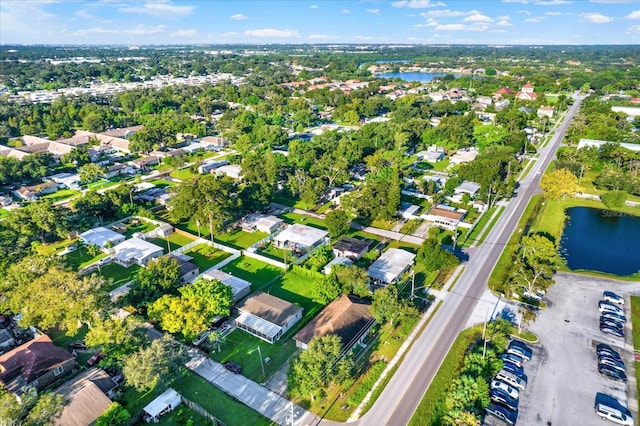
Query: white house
point(102, 237)
point(209, 166)
point(267, 317)
point(445, 217)
point(467, 187)
point(262, 223)
point(135, 250)
point(545, 111)
point(239, 287)
point(232, 170)
point(389, 267)
point(300, 237)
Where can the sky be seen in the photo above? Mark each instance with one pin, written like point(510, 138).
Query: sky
point(135, 22)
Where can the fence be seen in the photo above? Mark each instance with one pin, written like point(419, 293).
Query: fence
point(204, 413)
point(250, 253)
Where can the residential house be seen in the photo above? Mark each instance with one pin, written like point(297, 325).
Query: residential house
point(188, 270)
point(431, 156)
point(6, 339)
point(546, 111)
point(214, 143)
point(33, 192)
point(87, 396)
point(409, 211)
point(267, 317)
point(300, 238)
point(336, 261)
point(352, 248)
point(598, 144)
point(65, 180)
point(503, 91)
point(135, 250)
point(233, 171)
point(209, 166)
point(170, 153)
point(145, 162)
point(261, 223)
point(239, 288)
point(445, 217)
point(467, 187)
point(102, 237)
point(123, 133)
point(527, 93)
point(114, 170)
point(163, 404)
point(37, 363)
point(390, 266)
point(464, 155)
point(348, 317)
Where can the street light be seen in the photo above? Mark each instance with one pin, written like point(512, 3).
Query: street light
point(261, 362)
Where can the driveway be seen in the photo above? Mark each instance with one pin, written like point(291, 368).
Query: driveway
point(563, 375)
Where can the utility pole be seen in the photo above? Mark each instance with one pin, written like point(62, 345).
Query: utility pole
point(484, 340)
point(581, 172)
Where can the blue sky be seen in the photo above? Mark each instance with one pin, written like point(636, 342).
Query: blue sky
point(320, 21)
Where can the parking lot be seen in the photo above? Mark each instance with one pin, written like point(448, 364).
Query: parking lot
point(563, 374)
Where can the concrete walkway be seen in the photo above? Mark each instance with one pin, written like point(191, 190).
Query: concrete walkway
point(266, 402)
point(388, 234)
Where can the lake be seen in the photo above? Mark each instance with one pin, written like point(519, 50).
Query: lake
point(601, 240)
point(422, 77)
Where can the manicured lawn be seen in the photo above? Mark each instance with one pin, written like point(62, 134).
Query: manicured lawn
point(119, 274)
point(62, 194)
point(161, 183)
point(4, 213)
point(206, 256)
point(135, 401)
point(53, 248)
point(239, 239)
point(80, 258)
point(439, 166)
point(138, 225)
point(281, 199)
point(181, 416)
point(480, 226)
point(256, 272)
point(413, 248)
point(241, 347)
point(277, 254)
point(216, 402)
point(175, 241)
point(304, 220)
point(635, 321)
point(182, 174)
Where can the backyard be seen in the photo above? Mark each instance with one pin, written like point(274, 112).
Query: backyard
point(118, 275)
point(206, 256)
point(82, 257)
point(239, 239)
point(256, 272)
point(60, 195)
point(172, 242)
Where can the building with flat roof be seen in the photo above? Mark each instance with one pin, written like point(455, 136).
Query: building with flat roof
point(135, 250)
point(352, 248)
point(348, 317)
point(261, 223)
point(101, 237)
point(267, 317)
point(445, 217)
point(390, 266)
point(598, 144)
point(300, 238)
point(239, 287)
point(336, 261)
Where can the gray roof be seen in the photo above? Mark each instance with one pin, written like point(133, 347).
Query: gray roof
point(302, 235)
point(269, 308)
point(468, 187)
point(391, 265)
point(100, 236)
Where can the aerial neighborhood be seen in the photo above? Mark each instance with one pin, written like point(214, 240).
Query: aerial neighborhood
point(301, 234)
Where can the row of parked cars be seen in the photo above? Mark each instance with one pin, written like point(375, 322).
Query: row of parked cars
point(612, 317)
point(508, 383)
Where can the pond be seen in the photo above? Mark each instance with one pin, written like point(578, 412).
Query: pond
point(422, 77)
point(601, 240)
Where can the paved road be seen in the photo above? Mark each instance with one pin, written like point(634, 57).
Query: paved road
point(401, 396)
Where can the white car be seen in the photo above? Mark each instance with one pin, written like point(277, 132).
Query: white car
point(604, 306)
point(612, 297)
point(613, 414)
point(497, 384)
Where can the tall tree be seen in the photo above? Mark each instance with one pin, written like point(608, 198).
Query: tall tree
point(338, 223)
point(386, 307)
point(559, 184)
point(159, 277)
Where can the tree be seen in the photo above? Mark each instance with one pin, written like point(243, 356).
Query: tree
point(338, 223)
point(116, 415)
point(325, 289)
point(353, 279)
point(489, 135)
point(386, 307)
point(157, 278)
point(614, 198)
point(559, 184)
point(156, 365)
point(46, 411)
point(434, 257)
point(318, 366)
point(89, 172)
point(194, 309)
point(118, 338)
point(537, 261)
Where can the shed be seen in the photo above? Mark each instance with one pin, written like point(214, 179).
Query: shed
point(342, 261)
point(168, 401)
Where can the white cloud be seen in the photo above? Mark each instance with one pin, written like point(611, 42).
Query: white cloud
point(97, 30)
point(142, 30)
point(184, 33)
point(552, 2)
point(446, 13)
point(321, 37)
point(538, 19)
point(417, 4)
point(477, 17)
point(313, 6)
point(596, 18)
point(345, 11)
point(272, 32)
point(525, 12)
point(633, 15)
point(162, 8)
point(478, 26)
point(503, 21)
point(239, 17)
point(429, 23)
point(633, 30)
point(373, 11)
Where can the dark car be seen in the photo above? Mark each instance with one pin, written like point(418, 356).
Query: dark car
point(611, 372)
point(603, 349)
point(513, 368)
point(94, 359)
point(618, 317)
point(611, 322)
point(79, 345)
point(118, 378)
point(233, 367)
point(501, 397)
point(615, 331)
point(519, 348)
point(510, 357)
point(503, 413)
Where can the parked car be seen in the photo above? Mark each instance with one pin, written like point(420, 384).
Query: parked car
point(604, 360)
point(118, 378)
point(499, 384)
point(201, 338)
point(503, 413)
point(613, 315)
point(511, 379)
point(502, 398)
point(610, 307)
point(518, 348)
point(615, 331)
point(79, 345)
point(515, 359)
point(611, 372)
point(609, 408)
point(611, 322)
point(612, 297)
point(94, 359)
point(604, 349)
point(233, 367)
point(515, 369)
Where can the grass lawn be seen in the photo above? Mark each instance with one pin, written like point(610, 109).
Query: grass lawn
point(161, 183)
point(182, 174)
point(119, 274)
point(324, 207)
point(175, 241)
point(413, 248)
point(410, 226)
point(241, 347)
point(206, 256)
point(62, 194)
point(138, 225)
point(256, 272)
point(134, 401)
point(216, 402)
point(439, 166)
point(4, 213)
point(80, 258)
point(297, 204)
point(240, 239)
point(181, 416)
point(278, 254)
point(480, 226)
point(304, 220)
point(53, 248)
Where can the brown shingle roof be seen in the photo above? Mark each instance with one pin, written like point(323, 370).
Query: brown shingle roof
point(345, 317)
point(269, 308)
point(351, 244)
point(446, 213)
point(86, 396)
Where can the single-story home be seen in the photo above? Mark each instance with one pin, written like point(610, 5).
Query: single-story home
point(467, 187)
point(232, 170)
point(267, 317)
point(598, 144)
point(409, 211)
point(336, 261)
point(390, 266)
point(102, 237)
point(352, 248)
point(166, 402)
point(87, 396)
point(33, 192)
point(135, 250)
point(348, 317)
point(65, 180)
point(464, 156)
point(214, 143)
point(445, 217)
point(145, 162)
point(188, 269)
point(37, 363)
point(545, 111)
point(239, 287)
point(262, 223)
point(430, 156)
point(300, 237)
point(209, 166)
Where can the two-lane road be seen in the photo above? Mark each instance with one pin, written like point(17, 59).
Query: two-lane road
point(403, 393)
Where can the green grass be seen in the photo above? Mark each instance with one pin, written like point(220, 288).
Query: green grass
point(175, 241)
point(140, 225)
point(161, 183)
point(635, 321)
point(4, 213)
point(432, 408)
point(256, 272)
point(216, 402)
point(104, 183)
point(241, 347)
point(240, 239)
point(278, 254)
point(118, 274)
point(410, 227)
point(296, 287)
point(80, 258)
point(182, 174)
point(134, 401)
point(60, 195)
point(181, 416)
point(285, 201)
point(206, 256)
point(439, 166)
point(304, 220)
point(479, 228)
point(53, 248)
